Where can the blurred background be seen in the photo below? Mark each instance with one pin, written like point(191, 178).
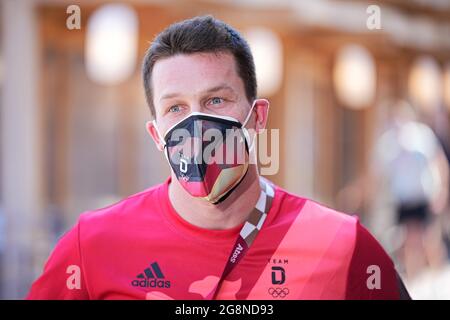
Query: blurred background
point(359, 90)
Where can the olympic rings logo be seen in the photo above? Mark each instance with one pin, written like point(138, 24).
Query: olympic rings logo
point(278, 292)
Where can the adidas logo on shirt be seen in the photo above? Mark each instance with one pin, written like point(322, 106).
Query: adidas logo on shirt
point(152, 277)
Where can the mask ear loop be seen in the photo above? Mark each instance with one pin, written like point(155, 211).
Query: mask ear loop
point(159, 134)
point(245, 130)
point(248, 115)
point(165, 149)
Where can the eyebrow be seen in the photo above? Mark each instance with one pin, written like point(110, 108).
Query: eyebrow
point(219, 87)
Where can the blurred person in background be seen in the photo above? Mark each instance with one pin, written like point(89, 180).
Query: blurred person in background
point(410, 161)
point(441, 126)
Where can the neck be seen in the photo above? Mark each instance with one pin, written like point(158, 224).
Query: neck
point(228, 214)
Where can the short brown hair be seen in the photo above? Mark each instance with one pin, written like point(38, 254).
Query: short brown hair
point(196, 35)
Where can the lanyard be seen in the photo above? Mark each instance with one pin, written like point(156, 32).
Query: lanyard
point(247, 234)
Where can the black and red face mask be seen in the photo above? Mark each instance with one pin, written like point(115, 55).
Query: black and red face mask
point(209, 154)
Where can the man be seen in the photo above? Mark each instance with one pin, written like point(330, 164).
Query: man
point(213, 230)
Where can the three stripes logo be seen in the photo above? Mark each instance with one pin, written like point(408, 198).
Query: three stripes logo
point(152, 277)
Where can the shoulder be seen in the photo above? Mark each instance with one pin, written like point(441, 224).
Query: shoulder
point(315, 227)
point(118, 216)
point(312, 213)
point(370, 272)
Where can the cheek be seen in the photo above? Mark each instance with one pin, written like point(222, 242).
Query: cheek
point(239, 112)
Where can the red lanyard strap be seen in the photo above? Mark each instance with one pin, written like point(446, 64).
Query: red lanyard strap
point(248, 233)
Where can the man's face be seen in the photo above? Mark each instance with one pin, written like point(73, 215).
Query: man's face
point(203, 82)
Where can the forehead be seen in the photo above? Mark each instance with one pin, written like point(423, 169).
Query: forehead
point(194, 73)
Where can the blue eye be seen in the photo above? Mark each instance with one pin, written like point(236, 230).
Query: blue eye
point(174, 108)
point(216, 100)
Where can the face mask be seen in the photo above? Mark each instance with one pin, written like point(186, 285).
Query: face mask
point(209, 154)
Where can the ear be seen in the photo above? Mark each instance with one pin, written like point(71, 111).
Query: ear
point(262, 112)
point(152, 131)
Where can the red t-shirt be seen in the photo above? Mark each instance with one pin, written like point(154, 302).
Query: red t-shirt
point(140, 248)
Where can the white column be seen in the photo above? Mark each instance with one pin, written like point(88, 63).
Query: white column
point(20, 145)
